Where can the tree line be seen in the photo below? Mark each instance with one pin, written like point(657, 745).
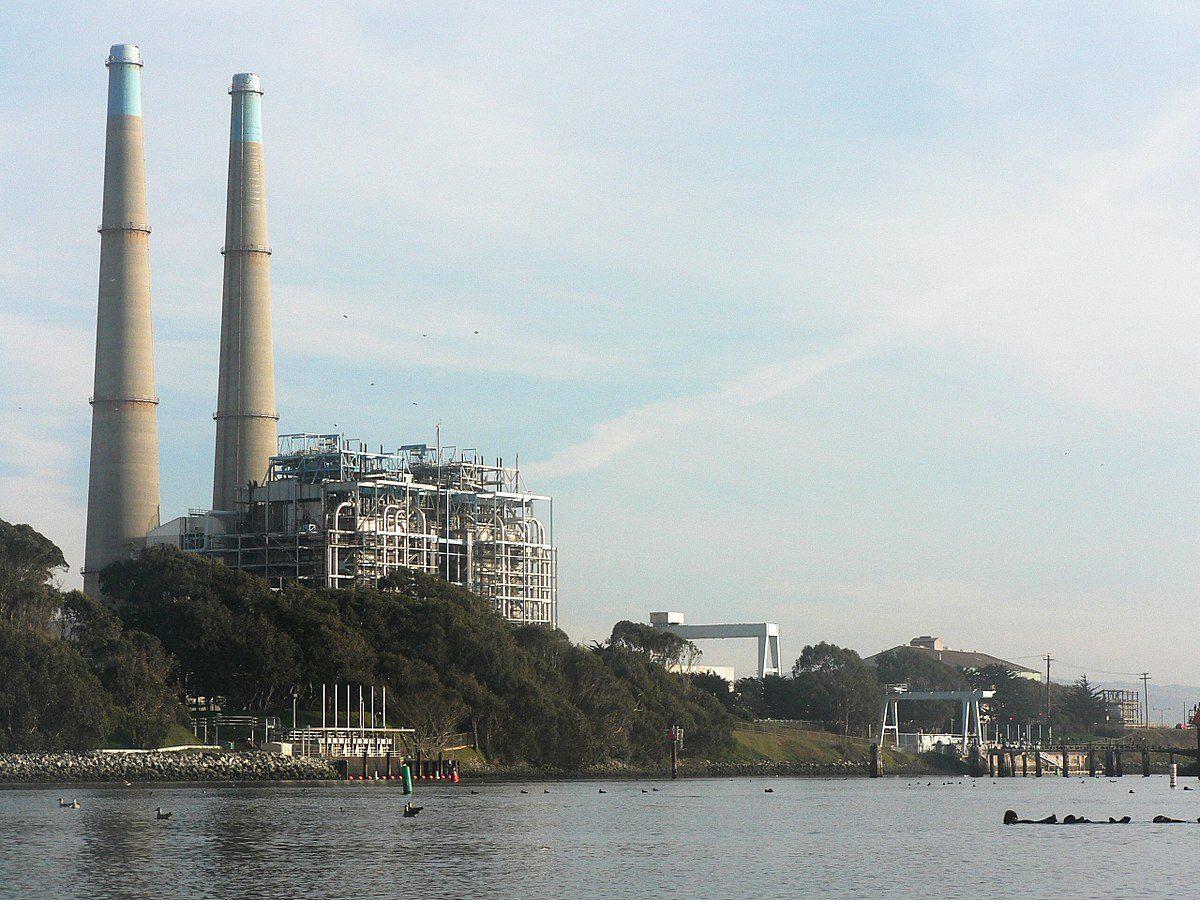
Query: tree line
point(83, 675)
point(834, 685)
point(79, 674)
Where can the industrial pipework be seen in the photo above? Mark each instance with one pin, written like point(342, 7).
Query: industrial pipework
point(123, 475)
point(246, 417)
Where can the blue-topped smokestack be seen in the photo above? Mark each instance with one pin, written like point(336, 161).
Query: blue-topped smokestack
point(124, 80)
point(246, 419)
point(123, 474)
point(246, 117)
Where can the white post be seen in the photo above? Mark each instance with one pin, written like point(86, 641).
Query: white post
point(385, 706)
point(324, 704)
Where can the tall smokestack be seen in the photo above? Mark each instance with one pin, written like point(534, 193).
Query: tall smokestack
point(246, 432)
point(123, 479)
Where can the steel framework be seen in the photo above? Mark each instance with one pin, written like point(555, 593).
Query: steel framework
point(332, 513)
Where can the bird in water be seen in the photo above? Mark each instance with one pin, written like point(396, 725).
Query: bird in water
point(524, 792)
point(410, 810)
point(159, 814)
point(63, 804)
point(474, 792)
point(644, 791)
point(603, 791)
point(544, 791)
point(655, 790)
point(768, 790)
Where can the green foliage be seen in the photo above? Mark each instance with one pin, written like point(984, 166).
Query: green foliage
point(97, 683)
point(1018, 700)
point(922, 671)
point(837, 686)
point(49, 698)
point(663, 647)
point(449, 660)
point(28, 561)
point(132, 667)
point(1076, 708)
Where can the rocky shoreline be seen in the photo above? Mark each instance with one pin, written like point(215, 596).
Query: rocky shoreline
point(218, 765)
point(201, 765)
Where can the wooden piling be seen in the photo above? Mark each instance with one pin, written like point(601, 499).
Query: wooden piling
point(1145, 763)
point(876, 769)
point(1091, 763)
point(1066, 763)
point(1024, 765)
point(991, 764)
point(1118, 766)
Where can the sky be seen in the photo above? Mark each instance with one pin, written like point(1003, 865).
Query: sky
point(872, 320)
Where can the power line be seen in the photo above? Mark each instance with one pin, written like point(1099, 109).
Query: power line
point(1078, 668)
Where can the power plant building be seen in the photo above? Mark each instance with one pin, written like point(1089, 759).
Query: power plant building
point(332, 513)
point(312, 508)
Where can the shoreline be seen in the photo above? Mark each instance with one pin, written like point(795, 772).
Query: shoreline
point(213, 766)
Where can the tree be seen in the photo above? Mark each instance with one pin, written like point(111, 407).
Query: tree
point(1077, 708)
point(449, 661)
point(838, 685)
point(49, 698)
point(28, 563)
point(664, 647)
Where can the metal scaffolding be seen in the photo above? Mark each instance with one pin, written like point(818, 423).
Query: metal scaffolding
point(332, 513)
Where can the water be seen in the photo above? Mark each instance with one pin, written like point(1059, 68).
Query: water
point(693, 838)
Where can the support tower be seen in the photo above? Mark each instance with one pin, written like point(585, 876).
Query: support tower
point(246, 418)
point(123, 477)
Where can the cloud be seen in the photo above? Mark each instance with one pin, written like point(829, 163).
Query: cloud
point(43, 429)
point(654, 421)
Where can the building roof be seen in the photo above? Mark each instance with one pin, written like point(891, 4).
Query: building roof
point(962, 659)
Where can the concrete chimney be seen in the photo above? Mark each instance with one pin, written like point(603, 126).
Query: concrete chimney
point(246, 419)
point(123, 478)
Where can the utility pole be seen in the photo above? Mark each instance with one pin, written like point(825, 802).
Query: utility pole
point(1048, 658)
point(1145, 676)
